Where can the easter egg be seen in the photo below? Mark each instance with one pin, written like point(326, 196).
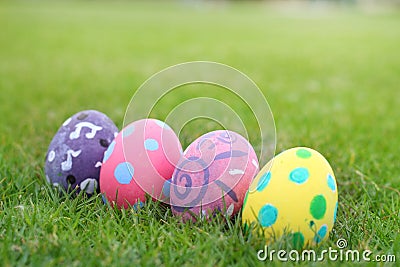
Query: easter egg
point(294, 194)
point(140, 159)
point(74, 156)
point(212, 176)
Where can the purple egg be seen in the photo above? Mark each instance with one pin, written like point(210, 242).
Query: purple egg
point(75, 154)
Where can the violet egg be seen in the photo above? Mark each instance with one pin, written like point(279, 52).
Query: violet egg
point(75, 154)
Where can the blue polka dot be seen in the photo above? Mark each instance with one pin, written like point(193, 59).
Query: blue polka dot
point(109, 151)
point(163, 125)
point(263, 182)
point(128, 131)
point(335, 212)
point(267, 215)
point(124, 173)
point(138, 205)
point(299, 175)
point(151, 144)
point(166, 188)
point(321, 234)
point(103, 197)
point(331, 183)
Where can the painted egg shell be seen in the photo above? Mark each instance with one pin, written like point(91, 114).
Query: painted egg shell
point(138, 161)
point(296, 191)
point(213, 175)
point(75, 154)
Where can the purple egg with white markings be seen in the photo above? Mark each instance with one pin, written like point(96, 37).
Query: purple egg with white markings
point(75, 154)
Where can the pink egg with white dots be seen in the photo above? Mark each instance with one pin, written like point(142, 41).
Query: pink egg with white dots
point(138, 162)
point(213, 175)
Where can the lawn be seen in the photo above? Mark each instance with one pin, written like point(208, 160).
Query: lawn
point(331, 77)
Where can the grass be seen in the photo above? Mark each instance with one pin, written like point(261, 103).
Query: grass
point(331, 78)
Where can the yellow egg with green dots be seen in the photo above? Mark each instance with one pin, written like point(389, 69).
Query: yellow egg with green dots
point(296, 194)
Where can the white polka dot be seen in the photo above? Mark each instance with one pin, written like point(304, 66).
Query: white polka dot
point(203, 214)
point(89, 185)
point(236, 171)
point(229, 211)
point(115, 134)
point(98, 164)
point(51, 156)
point(67, 121)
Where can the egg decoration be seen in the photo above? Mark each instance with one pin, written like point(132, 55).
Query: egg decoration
point(140, 159)
point(74, 156)
point(295, 194)
point(213, 175)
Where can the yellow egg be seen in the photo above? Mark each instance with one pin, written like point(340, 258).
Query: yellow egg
point(295, 193)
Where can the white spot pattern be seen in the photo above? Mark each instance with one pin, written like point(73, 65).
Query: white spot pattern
point(51, 156)
point(236, 171)
point(89, 185)
point(67, 165)
point(94, 129)
point(67, 121)
point(229, 211)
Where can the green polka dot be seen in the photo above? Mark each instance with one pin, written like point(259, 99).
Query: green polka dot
point(303, 153)
point(298, 240)
point(245, 198)
point(318, 207)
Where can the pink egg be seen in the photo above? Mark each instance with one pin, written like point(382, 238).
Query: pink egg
point(139, 160)
point(213, 175)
